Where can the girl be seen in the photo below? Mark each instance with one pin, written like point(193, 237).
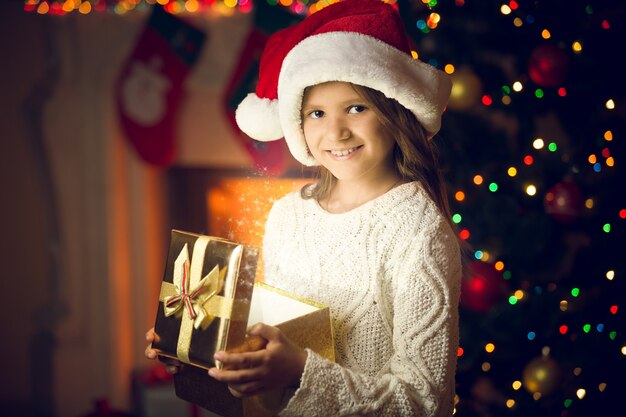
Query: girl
point(372, 238)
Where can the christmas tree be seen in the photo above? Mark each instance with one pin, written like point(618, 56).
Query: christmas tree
point(531, 143)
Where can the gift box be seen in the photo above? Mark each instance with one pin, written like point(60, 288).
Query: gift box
point(306, 323)
point(205, 297)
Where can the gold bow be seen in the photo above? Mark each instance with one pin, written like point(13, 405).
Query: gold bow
point(191, 300)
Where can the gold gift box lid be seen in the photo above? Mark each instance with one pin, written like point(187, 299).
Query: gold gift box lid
point(305, 322)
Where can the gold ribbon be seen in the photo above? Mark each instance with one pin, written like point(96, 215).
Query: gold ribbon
point(194, 299)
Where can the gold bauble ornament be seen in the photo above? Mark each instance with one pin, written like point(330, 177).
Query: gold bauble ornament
point(466, 90)
point(541, 375)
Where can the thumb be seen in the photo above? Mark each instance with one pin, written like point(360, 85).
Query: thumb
point(264, 331)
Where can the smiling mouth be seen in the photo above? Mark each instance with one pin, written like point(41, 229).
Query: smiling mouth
point(344, 152)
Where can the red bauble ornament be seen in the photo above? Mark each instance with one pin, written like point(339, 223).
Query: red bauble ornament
point(483, 287)
point(564, 201)
point(548, 65)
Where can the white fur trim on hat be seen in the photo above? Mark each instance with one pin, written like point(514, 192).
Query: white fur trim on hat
point(358, 59)
point(258, 118)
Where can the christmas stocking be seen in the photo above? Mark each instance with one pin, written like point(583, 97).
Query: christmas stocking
point(150, 86)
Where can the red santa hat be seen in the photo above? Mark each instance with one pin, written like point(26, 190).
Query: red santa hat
point(358, 41)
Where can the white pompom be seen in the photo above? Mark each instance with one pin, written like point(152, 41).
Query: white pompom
point(258, 118)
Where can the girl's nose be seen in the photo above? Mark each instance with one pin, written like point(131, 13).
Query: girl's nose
point(338, 130)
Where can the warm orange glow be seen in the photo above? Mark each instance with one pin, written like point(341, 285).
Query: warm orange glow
point(238, 207)
point(120, 265)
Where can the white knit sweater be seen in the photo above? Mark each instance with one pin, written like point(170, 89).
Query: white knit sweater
point(390, 272)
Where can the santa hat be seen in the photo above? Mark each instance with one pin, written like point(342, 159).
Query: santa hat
point(358, 41)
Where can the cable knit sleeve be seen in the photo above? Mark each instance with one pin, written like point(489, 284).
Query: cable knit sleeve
point(420, 290)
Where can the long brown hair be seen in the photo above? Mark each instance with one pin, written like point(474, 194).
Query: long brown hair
point(414, 154)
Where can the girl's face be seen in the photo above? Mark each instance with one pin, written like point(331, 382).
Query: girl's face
point(344, 134)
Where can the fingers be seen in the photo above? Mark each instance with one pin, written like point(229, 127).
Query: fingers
point(172, 366)
point(245, 390)
point(235, 393)
point(151, 336)
point(151, 353)
point(236, 378)
point(250, 344)
point(265, 331)
point(278, 364)
point(240, 360)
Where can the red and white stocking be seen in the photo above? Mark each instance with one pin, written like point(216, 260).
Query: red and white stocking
point(150, 86)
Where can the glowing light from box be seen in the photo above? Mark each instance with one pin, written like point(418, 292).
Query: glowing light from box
point(237, 208)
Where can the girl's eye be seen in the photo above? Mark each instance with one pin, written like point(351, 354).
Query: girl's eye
point(356, 108)
point(316, 114)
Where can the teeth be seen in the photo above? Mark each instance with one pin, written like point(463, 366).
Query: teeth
point(344, 152)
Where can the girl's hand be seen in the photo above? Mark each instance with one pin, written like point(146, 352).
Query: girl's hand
point(171, 365)
point(280, 364)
